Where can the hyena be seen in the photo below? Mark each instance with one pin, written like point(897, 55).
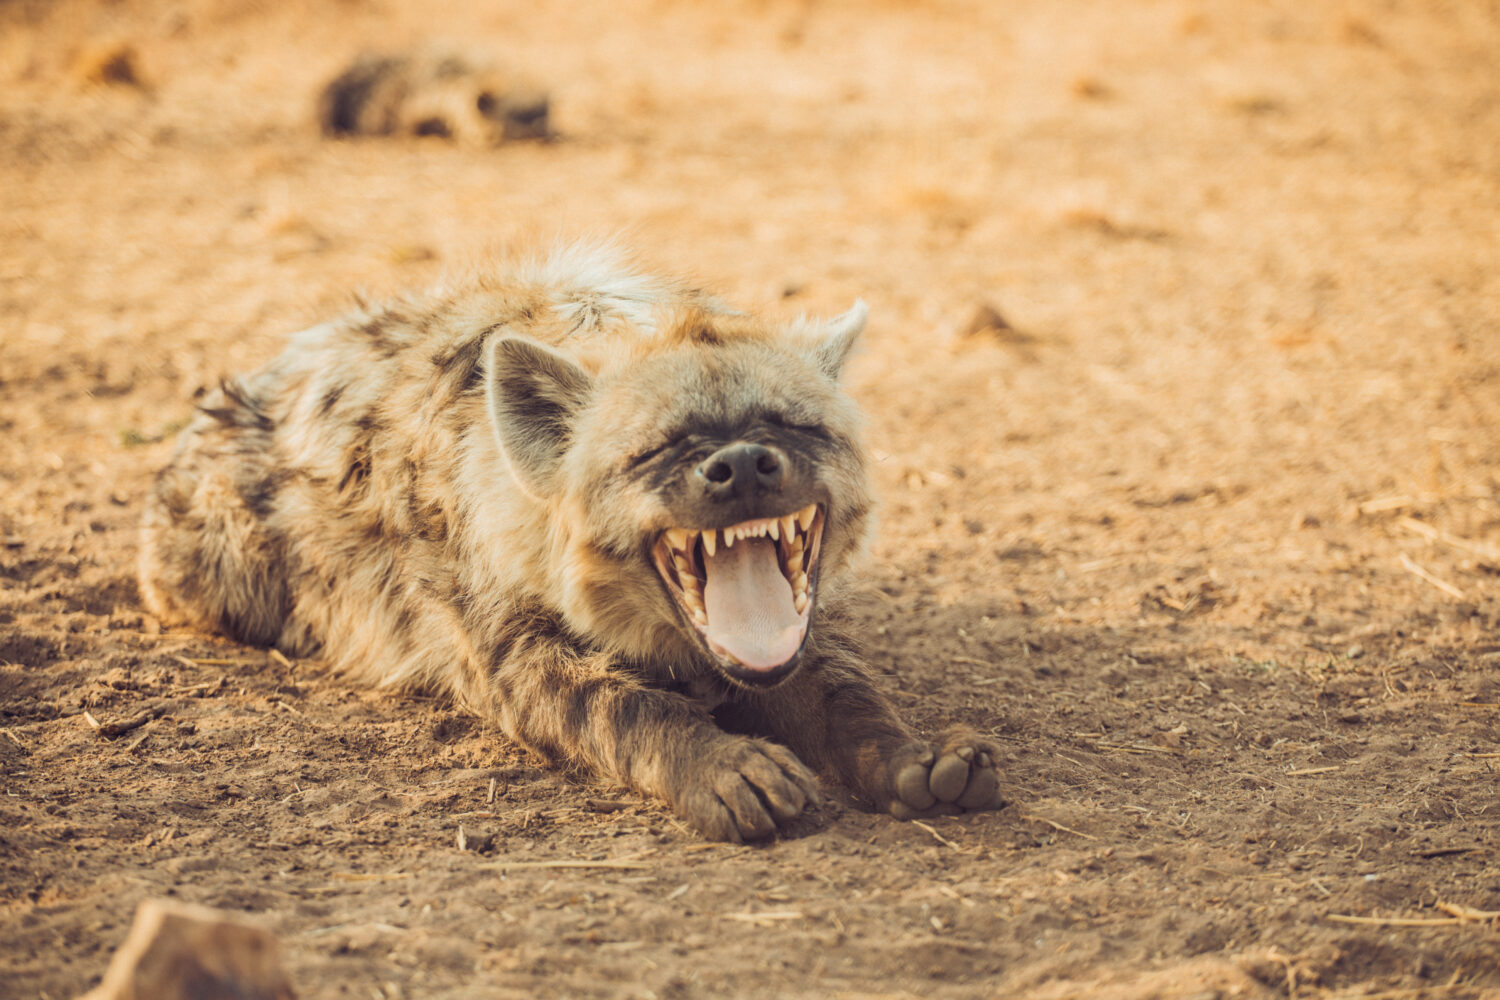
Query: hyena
point(432, 93)
point(597, 508)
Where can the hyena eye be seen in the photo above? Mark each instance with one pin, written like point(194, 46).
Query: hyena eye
point(645, 456)
point(794, 424)
point(642, 457)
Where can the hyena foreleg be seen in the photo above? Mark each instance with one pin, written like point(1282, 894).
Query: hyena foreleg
point(585, 709)
point(831, 714)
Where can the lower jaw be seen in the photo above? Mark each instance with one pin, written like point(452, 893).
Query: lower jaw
point(758, 679)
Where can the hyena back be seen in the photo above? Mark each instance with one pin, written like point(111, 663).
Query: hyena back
point(597, 508)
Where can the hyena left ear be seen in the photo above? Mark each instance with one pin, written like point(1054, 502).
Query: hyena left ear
point(534, 394)
point(839, 335)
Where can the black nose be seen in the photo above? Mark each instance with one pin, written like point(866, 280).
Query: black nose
point(742, 470)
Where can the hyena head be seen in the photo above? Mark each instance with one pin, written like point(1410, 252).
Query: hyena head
point(701, 489)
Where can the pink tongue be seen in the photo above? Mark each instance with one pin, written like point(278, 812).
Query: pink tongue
point(750, 612)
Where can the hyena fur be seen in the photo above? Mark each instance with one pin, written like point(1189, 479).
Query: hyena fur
point(597, 508)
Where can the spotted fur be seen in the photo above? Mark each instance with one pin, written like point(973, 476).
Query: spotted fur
point(460, 493)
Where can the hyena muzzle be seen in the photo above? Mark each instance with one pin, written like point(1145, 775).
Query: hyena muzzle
point(599, 509)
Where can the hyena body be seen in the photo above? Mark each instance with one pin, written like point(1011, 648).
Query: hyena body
point(597, 508)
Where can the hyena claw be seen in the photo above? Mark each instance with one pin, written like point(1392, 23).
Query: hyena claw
point(744, 789)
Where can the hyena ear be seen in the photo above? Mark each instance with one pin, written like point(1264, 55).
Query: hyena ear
point(534, 395)
point(839, 335)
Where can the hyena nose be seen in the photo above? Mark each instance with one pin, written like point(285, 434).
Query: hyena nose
point(742, 470)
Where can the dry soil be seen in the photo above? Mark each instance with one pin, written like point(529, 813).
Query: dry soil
point(1205, 531)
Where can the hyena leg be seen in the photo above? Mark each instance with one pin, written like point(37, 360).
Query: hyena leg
point(207, 558)
point(831, 714)
point(584, 709)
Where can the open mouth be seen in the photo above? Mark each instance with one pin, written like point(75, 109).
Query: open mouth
point(748, 589)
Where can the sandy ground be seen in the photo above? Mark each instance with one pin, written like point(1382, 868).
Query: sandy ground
point(1208, 538)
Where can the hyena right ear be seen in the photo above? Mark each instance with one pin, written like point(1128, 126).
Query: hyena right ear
point(839, 335)
point(534, 394)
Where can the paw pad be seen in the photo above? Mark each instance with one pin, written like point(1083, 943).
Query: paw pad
point(958, 778)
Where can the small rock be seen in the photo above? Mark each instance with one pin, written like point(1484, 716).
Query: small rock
point(176, 951)
point(986, 320)
point(1090, 87)
point(1354, 652)
point(986, 325)
point(112, 64)
point(475, 842)
point(605, 805)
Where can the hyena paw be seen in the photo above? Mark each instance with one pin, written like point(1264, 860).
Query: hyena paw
point(957, 775)
point(743, 788)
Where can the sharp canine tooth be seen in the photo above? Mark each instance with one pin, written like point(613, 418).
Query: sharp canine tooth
point(805, 515)
point(710, 541)
point(678, 538)
point(789, 526)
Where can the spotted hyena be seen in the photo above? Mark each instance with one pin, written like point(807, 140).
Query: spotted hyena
point(598, 508)
point(432, 93)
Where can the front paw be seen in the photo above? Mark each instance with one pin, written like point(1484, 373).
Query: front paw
point(740, 789)
point(957, 775)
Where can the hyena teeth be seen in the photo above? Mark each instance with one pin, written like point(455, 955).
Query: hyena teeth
point(684, 568)
point(710, 541)
point(799, 602)
point(799, 582)
point(788, 527)
point(729, 537)
point(678, 538)
point(805, 516)
point(774, 528)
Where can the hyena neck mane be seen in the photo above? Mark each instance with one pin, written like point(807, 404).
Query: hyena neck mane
point(695, 480)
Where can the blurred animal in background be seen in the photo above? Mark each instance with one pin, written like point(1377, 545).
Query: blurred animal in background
point(458, 97)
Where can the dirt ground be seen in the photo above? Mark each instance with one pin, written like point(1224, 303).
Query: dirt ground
point(1206, 533)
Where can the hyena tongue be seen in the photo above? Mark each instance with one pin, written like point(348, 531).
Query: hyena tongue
point(749, 603)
